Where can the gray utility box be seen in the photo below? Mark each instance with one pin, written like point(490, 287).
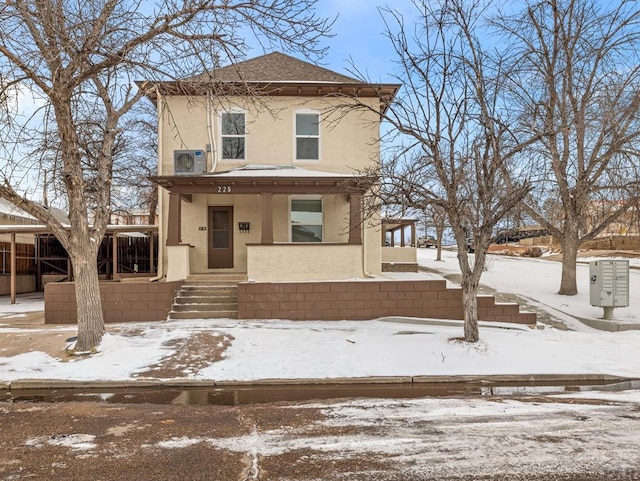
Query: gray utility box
point(609, 283)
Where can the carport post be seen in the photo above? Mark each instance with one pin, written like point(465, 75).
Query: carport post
point(13, 268)
point(114, 247)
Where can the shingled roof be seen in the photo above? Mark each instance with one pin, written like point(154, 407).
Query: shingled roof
point(274, 74)
point(275, 67)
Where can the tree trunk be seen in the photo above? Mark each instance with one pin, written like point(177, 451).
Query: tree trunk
point(568, 283)
point(469, 284)
point(439, 234)
point(470, 308)
point(89, 303)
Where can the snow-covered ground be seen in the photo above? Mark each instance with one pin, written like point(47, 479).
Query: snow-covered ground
point(24, 303)
point(538, 281)
point(590, 434)
point(285, 349)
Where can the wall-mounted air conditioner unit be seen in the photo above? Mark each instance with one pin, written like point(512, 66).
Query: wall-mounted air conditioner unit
point(189, 162)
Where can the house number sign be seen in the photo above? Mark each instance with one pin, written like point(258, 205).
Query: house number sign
point(224, 189)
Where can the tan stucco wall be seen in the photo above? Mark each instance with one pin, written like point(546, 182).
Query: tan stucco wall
point(347, 143)
point(399, 254)
point(372, 247)
point(178, 267)
point(304, 262)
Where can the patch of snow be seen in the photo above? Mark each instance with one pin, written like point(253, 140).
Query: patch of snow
point(78, 442)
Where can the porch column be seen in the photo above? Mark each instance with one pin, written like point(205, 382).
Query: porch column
point(13, 268)
point(414, 240)
point(355, 219)
point(267, 219)
point(174, 222)
point(402, 229)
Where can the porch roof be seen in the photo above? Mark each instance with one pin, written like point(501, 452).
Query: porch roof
point(261, 179)
point(398, 222)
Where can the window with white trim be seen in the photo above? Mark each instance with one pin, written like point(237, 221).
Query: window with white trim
point(233, 135)
point(306, 220)
point(307, 136)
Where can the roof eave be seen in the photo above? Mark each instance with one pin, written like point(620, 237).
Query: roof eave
point(289, 88)
point(263, 184)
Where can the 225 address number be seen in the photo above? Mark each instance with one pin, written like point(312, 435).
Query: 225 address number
point(224, 189)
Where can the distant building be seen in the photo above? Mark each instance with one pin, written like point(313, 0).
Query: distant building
point(134, 216)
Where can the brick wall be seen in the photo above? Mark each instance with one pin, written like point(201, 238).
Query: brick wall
point(365, 300)
point(121, 301)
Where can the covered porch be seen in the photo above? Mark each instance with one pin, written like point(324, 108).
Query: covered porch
point(399, 252)
point(251, 213)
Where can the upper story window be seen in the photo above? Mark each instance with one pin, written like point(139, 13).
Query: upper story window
point(233, 135)
point(306, 220)
point(307, 136)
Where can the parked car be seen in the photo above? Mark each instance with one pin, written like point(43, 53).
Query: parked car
point(426, 241)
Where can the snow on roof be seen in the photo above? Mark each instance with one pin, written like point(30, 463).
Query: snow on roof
point(251, 170)
point(8, 208)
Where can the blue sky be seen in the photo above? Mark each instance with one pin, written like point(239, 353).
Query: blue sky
point(358, 34)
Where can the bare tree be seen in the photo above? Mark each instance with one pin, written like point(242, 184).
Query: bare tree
point(82, 58)
point(575, 80)
point(437, 217)
point(454, 134)
point(136, 162)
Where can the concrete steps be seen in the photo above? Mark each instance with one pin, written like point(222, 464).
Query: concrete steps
point(207, 296)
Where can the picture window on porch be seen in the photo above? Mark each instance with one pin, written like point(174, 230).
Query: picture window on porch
point(233, 135)
point(306, 220)
point(307, 136)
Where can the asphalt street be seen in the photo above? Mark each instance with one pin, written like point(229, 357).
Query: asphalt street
point(532, 438)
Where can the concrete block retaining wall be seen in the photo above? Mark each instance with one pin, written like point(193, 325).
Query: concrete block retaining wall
point(142, 301)
point(359, 300)
point(365, 300)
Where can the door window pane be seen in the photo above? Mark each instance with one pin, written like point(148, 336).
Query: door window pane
point(220, 220)
point(220, 239)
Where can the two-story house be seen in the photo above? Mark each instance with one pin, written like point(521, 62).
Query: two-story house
point(261, 206)
point(262, 200)
point(261, 175)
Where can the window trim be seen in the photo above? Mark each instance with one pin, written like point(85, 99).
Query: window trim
point(223, 136)
point(295, 135)
point(322, 224)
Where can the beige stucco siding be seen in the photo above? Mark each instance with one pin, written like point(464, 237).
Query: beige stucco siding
point(305, 262)
point(347, 143)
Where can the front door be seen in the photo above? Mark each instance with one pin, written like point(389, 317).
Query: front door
point(220, 237)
